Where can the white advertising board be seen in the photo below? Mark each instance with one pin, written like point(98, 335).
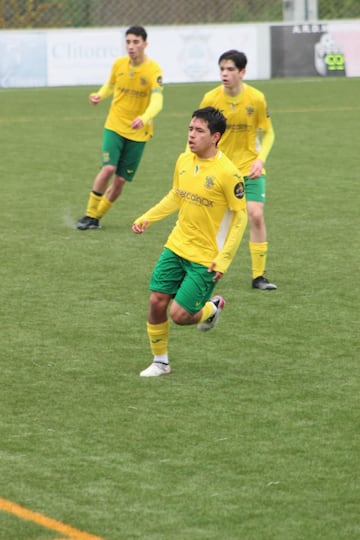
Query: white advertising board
point(23, 59)
point(191, 53)
point(82, 57)
point(73, 57)
point(185, 53)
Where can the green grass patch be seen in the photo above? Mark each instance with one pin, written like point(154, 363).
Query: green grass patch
point(255, 435)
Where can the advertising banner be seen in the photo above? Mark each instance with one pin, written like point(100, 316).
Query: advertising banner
point(73, 57)
point(194, 51)
point(318, 49)
point(22, 59)
point(82, 57)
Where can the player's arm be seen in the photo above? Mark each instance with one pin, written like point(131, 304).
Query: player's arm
point(167, 206)
point(154, 107)
point(105, 91)
point(232, 242)
point(156, 101)
point(267, 141)
point(267, 135)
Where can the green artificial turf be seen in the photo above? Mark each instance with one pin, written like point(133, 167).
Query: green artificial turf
point(255, 434)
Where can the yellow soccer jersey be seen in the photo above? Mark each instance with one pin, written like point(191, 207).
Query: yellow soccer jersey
point(245, 115)
point(204, 191)
point(133, 87)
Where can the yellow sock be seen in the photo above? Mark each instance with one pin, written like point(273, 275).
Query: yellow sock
point(92, 206)
point(258, 251)
point(207, 311)
point(103, 207)
point(158, 337)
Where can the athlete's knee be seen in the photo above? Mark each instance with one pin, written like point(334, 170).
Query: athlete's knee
point(255, 214)
point(179, 315)
point(158, 305)
point(257, 221)
point(158, 300)
point(106, 172)
point(119, 181)
point(115, 188)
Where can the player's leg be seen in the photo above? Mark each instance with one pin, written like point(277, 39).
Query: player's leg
point(191, 304)
point(111, 150)
point(128, 162)
point(255, 190)
point(164, 282)
point(158, 329)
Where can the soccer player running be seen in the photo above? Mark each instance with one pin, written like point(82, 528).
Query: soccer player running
point(208, 194)
point(247, 141)
point(135, 85)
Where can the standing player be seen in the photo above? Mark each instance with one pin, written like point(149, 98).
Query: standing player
point(247, 141)
point(208, 194)
point(136, 86)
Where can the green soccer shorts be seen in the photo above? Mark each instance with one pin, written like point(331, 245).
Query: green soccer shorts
point(255, 188)
point(189, 283)
point(122, 153)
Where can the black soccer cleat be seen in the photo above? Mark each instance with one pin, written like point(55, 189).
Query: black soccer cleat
point(262, 283)
point(88, 223)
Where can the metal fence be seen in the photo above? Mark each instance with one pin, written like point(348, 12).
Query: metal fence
point(100, 13)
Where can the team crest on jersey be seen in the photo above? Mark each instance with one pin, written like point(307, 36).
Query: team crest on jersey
point(143, 81)
point(250, 110)
point(239, 190)
point(209, 182)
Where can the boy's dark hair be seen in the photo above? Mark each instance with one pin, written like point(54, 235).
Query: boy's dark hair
point(137, 31)
point(215, 119)
point(239, 58)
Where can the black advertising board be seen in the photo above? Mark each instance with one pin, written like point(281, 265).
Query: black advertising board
point(305, 50)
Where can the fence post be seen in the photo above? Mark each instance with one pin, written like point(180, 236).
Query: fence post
point(300, 10)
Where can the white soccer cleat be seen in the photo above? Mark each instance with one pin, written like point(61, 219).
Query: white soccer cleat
point(155, 370)
point(219, 303)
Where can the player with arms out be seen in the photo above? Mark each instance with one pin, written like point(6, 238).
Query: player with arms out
point(247, 141)
point(208, 194)
point(135, 85)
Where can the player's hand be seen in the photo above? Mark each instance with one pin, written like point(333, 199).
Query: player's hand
point(139, 228)
point(256, 169)
point(137, 123)
point(218, 275)
point(94, 99)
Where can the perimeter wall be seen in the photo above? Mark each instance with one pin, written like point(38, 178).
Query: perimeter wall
point(187, 53)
